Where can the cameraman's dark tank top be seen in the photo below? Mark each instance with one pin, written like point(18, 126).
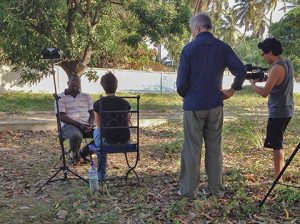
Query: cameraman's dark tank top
point(280, 102)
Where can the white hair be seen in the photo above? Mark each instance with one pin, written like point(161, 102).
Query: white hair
point(201, 19)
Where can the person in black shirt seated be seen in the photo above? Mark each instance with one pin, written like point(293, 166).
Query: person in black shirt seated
point(111, 103)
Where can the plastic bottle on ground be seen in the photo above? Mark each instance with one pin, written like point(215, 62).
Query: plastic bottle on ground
point(93, 178)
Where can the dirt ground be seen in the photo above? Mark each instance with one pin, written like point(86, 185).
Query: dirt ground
point(29, 158)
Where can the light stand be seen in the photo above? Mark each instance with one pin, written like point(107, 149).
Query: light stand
point(64, 168)
point(280, 175)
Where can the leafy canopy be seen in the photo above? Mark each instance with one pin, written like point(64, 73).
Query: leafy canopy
point(287, 31)
point(89, 32)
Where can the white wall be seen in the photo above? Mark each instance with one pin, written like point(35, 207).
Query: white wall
point(129, 80)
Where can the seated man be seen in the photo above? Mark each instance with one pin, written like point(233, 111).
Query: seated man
point(110, 102)
point(77, 117)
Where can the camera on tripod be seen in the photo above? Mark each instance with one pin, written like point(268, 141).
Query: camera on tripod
point(254, 72)
point(51, 53)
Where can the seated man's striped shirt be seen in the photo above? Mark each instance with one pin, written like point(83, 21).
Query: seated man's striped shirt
point(76, 108)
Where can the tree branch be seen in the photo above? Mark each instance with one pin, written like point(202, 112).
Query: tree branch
point(95, 19)
point(71, 17)
point(87, 55)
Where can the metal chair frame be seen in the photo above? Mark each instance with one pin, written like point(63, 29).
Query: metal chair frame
point(122, 148)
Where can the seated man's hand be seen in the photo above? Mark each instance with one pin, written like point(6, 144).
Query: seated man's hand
point(84, 127)
point(89, 128)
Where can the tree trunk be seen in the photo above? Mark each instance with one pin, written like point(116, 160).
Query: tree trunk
point(71, 67)
point(77, 67)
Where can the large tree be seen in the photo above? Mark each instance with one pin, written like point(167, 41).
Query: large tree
point(87, 31)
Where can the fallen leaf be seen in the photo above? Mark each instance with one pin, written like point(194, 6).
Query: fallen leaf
point(80, 212)
point(286, 213)
point(251, 178)
point(24, 207)
point(62, 214)
point(208, 216)
point(76, 203)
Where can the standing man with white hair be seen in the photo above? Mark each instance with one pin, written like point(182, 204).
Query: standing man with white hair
point(199, 82)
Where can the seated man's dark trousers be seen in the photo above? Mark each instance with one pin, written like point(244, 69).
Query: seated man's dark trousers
point(75, 136)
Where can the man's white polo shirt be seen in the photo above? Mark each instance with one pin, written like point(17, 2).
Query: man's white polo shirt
point(76, 108)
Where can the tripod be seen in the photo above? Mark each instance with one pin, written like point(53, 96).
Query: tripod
point(64, 168)
point(280, 175)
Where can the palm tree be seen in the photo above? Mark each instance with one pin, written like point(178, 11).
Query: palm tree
point(215, 6)
point(252, 15)
point(227, 28)
point(290, 4)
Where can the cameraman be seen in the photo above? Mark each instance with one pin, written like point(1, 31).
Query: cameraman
point(279, 88)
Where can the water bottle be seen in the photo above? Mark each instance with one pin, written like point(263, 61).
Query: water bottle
point(93, 178)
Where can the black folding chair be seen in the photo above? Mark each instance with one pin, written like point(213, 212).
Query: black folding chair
point(119, 119)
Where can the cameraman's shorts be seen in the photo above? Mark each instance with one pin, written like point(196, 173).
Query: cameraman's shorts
point(275, 130)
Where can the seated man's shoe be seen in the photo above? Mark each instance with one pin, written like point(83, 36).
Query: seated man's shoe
point(85, 152)
point(75, 160)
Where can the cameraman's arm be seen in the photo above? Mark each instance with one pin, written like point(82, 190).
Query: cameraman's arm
point(276, 76)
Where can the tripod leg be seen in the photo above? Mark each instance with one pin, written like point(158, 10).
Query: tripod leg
point(280, 175)
point(75, 174)
point(50, 179)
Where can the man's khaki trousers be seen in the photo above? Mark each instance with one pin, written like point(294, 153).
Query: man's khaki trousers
point(198, 126)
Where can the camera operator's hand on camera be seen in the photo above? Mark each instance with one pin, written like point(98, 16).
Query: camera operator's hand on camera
point(227, 93)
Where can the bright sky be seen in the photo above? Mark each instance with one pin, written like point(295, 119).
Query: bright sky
point(278, 14)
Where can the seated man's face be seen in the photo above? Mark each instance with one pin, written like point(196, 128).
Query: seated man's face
point(74, 84)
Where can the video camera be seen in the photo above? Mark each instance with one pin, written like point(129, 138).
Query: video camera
point(51, 53)
point(254, 72)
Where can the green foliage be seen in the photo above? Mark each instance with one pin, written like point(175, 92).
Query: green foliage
point(174, 45)
point(164, 22)
point(287, 31)
point(160, 19)
point(288, 195)
point(28, 27)
point(177, 207)
point(246, 132)
point(90, 33)
point(226, 27)
point(19, 102)
point(248, 51)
